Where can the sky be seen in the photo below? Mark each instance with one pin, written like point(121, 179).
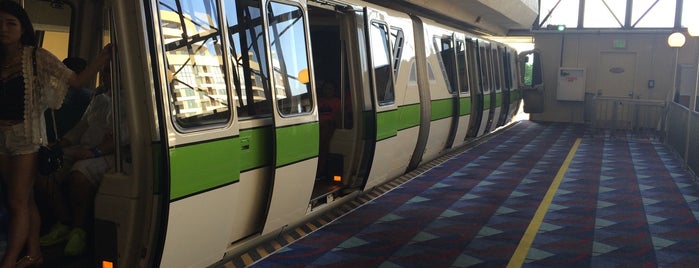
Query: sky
point(597, 15)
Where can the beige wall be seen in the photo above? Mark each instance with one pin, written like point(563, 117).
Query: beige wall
point(648, 58)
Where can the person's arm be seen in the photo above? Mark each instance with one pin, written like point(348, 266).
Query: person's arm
point(81, 79)
point(105, 147)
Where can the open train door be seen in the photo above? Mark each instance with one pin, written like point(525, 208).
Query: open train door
point(296, 133)
point(530, 81)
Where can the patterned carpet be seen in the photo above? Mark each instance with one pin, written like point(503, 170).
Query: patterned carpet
point(624, 201)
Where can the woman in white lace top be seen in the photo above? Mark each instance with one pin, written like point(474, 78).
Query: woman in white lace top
point(31, 80)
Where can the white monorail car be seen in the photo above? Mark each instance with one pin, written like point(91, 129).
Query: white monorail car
point(226, 144)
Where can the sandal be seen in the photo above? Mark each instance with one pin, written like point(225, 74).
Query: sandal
point(29, 261)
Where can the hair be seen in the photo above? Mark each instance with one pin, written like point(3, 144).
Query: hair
point(76, 64)
point(14, 9)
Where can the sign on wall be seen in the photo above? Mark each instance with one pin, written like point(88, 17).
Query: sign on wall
point(571, 84)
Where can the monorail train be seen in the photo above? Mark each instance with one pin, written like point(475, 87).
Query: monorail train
point(225, 146)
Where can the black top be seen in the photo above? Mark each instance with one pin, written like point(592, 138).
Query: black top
point(12, 98)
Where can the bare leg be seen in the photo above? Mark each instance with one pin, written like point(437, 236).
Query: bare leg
point(19, 172)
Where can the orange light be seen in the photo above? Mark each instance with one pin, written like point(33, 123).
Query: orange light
point(107, 264)
point(337, 178)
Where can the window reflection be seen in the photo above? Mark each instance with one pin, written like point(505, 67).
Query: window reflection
point(289, 59)
point(191, 35)
point(247, 51)
point(381, 59)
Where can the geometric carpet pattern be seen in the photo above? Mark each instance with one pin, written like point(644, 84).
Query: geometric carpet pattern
point(624, 201)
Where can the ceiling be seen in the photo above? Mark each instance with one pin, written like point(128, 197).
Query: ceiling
point(492, 17)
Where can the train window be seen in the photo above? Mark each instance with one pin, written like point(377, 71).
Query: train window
point(413, 72)
point(471, 52)
point(53, 26)
point(445, 51)
point(397, 39)
point(191, 35)
point(381, 59)
point(461, 66)
point(430, 73)
point(508, 69)
point(287, 39)
point(247, 52)
point(496, 67)
point(483, 67)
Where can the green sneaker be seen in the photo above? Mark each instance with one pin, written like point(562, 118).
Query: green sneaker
point(57, 234)
point(76, 242)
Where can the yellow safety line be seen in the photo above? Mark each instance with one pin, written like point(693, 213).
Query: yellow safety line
point(523, 248)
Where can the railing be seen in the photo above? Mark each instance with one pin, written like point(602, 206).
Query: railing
point(627, 113)
point(683, 134)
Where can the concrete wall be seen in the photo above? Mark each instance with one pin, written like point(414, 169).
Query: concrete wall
point(619, 64)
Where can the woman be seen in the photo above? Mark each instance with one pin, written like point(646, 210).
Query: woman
point(26, 94)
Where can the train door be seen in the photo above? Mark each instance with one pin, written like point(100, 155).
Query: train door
point(530, 81)
point(383, 99)
point(474, 84)
point(296, 132)
point(335, 44)
point(512, 97)
point(485, 78)
point(496, 88)
point(446, 49)
point(504, 96)
point(201, 134)
point(465, 101)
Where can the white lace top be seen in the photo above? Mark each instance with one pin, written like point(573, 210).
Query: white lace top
point(45, 89)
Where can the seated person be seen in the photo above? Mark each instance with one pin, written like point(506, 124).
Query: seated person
point(74, 104)
point(88, 140)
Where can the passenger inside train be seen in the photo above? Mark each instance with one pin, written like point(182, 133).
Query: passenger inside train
point(329, 107)
point(68, 195)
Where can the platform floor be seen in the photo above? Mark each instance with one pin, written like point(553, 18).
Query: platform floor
point(537, 195)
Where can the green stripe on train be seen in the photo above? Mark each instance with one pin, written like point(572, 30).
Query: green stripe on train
point(203, 166)
point(498, 99)
point(441, 109)
point(464, 106)
point(255, 148)
point(387, 124)
point(298, 142)
point(486, 102)
point(409, 116)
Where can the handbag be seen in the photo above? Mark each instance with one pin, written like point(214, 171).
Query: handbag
point(50, 156)
point(50, 159)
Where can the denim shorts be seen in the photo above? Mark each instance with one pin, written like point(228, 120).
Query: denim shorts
point(13, 141)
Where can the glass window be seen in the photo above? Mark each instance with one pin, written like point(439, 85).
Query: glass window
point(557, 12)
point(53, 20)
point(381, 59)
point(506, 60)
point(496, 68)
point(462, 67)
point(289, 58)
point(247, 51)
point(604, 14)
point(397, 40)
point(471, 52)
point(191, 35)
point(445, 53)
point(689, 16)
point(654, 13)
point(483, 66)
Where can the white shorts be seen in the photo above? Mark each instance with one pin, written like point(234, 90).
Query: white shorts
point(94, 168)
point(13, 142)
